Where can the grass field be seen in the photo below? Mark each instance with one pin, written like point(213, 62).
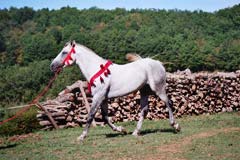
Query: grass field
point(202, 137)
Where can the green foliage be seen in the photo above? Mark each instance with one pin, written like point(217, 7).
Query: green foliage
point(19, 16)
point(26, 123)
point(67, 77)
point(2, 44)
point(38, 47)
point(183, 38)
point(56, 33)
point(21, 84)
point(180, 39)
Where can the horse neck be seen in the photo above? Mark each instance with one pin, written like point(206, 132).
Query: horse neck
point(88, 62)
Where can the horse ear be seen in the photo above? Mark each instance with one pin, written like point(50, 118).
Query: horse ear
point(73, 43)
point(66, 44)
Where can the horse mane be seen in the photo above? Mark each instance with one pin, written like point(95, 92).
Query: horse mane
point(131, 57)
point(86, 48)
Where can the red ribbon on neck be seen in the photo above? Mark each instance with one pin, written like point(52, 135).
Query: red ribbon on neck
point(101, 71)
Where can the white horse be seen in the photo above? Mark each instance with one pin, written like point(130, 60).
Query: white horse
point(113, 80)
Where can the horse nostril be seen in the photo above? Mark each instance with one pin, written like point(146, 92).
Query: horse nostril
point(52, 67)
point(55, 66)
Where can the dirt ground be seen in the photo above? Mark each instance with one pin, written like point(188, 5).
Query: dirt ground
point(178, 146)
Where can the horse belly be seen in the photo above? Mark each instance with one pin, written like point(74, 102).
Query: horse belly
point(125, 81)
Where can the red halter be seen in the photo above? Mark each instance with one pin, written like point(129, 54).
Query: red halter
point(101, 71)
point(68, 58)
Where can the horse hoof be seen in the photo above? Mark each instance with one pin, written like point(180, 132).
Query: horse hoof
point(135, 133)
point(177, 127)
point(80, 138)
point(123, 130)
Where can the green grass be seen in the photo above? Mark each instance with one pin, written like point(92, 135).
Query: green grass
point(222, 146)
point(202, 137)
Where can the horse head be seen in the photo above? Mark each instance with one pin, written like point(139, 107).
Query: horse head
point(65, 58)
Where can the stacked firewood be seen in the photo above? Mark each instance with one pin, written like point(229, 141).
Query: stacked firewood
point(68, 109)
point(191, 94)
point(204, 93)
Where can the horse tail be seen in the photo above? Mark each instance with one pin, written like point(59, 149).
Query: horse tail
point(131, 57)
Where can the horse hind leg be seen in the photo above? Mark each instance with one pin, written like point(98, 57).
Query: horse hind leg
point(163, 96)
point(104, 111)
point(144, 110)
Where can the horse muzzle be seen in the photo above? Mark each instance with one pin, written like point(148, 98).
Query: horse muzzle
point(54, 67)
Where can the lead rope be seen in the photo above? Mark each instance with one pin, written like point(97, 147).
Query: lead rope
point(35, 100)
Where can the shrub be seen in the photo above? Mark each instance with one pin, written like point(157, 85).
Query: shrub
point(26, 123)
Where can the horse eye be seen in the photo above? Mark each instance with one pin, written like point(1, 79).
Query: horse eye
point(64, 53)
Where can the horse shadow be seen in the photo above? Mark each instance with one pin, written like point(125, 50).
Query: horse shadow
point(143, 132)
point(8, 146)
point(151, 131)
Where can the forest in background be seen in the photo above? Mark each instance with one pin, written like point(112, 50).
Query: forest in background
point(29, 39)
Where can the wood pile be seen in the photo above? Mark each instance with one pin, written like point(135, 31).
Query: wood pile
point(204, 93)
point(191, 94)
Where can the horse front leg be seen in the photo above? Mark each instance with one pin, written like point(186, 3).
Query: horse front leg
point(143, 114)
point(104, 111)
point(97, 100)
